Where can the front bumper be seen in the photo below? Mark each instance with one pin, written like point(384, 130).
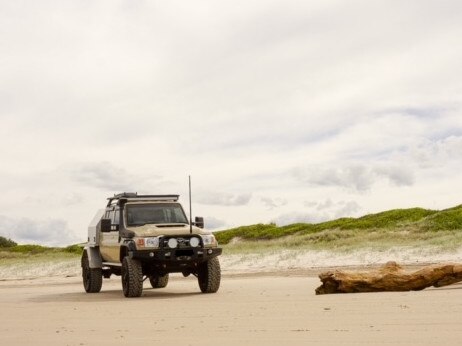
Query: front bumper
point(175, 256)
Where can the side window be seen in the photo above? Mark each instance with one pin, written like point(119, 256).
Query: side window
point(116, 219)
point(111, 215)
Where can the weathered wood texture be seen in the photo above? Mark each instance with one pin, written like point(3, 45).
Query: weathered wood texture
point(390, 277)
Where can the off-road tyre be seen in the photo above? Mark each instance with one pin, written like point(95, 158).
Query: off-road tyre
point(92, 277)
point(209, 276)
point(159, 281)
point(132, 277)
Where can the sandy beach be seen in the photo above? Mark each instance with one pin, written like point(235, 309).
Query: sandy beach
point(258, 309)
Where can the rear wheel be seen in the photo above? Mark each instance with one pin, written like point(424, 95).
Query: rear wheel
point(209, 276)
point(132, 277)
point(158, 281)
point(92, 277)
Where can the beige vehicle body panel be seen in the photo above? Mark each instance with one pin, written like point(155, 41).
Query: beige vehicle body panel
point(110, 246)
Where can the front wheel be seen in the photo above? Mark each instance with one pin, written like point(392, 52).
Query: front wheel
point(132, 277)
point(209, 276)
point(158, 281)
point(92, 277)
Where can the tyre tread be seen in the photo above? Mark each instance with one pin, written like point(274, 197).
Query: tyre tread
point(134, 286)
point(209, 276)
point(94, 281)
point(159, 281)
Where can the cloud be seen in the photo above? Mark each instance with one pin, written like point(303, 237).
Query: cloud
point(298, 217)
point(320, 211)
point(212, 223)
point(104, 175)
point(72, 199)
point(358, 177)
point(53, 232)
point(420, 112)
point(397, 175)
point(111, 177)
point(321, 205)
point(346, 209)
point(223, 199)
point(271, 203)
point(339, 208)
point(437, 153)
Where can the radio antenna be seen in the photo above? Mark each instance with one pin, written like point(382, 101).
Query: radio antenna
point(190, 207)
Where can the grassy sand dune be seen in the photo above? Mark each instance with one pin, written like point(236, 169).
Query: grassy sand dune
point(414, 227)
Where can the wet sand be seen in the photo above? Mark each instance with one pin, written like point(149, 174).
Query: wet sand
point(271, 309)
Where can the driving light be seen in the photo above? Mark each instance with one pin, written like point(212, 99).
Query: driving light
point(172, 243)
point(194, 242)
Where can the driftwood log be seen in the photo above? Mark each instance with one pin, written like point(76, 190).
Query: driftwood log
point(390, 277)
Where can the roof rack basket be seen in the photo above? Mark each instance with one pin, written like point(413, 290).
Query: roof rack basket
point(133, 196)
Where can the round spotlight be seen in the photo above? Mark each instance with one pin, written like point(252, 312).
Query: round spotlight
point(172, 243)
point(194, 242)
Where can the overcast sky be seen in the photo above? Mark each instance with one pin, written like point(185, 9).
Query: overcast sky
point(282, 111)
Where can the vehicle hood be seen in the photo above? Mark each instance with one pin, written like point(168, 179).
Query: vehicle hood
point(151, 230)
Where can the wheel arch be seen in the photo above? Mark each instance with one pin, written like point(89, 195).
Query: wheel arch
point(125, 249)
point(94, 257)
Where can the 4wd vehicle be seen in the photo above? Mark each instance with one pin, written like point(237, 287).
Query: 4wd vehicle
point(143, 237)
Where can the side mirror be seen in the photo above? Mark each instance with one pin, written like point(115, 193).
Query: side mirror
point(105, 225)
point(199, 222)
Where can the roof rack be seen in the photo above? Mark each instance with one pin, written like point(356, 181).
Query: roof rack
point(133, 196)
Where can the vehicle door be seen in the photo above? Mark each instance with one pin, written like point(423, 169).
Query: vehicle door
point(110, 240)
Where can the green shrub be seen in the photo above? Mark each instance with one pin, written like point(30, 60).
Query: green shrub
point(259, 231)
point(389, 218)
point(77, 249)
point(449, 219)
point(6, 243)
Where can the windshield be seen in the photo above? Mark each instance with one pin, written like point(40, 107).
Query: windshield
point(138, 215)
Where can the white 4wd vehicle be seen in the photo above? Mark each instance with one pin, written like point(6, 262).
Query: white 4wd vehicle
point(148, 236)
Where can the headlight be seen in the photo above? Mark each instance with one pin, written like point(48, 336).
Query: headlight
point(148, 242)
point(194, 242)
point(151, 242)
point(172, 243)
point(209, 240)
